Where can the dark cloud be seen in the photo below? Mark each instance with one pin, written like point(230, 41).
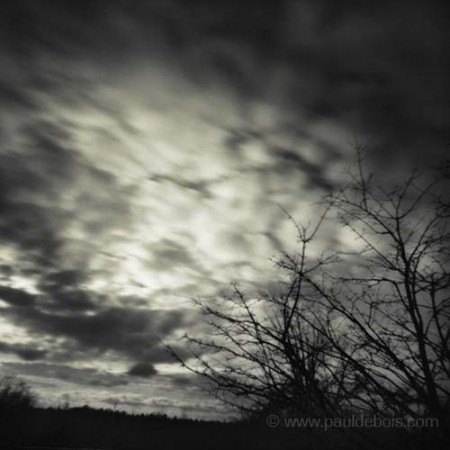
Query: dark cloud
point(125, 330)
point(81, 376)
point(200, 186)
point(63, 291)
point(134, 333)
point(143, 370)
point(288, 160)
point(26, 352)
point(187, 380)
point(72, 300)
point(34, 184)
point(14, 98)
point(16, 297)
point(378, 69)
point(56, 297)
point(63, 278)
point(159, 354)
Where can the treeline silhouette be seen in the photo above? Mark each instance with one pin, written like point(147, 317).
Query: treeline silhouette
point(85, 427)
point(26, 425)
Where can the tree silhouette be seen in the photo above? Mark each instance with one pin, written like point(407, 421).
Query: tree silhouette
point(364, 329)
point(15, 394)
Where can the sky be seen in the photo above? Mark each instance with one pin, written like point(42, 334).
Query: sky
point(148, 149)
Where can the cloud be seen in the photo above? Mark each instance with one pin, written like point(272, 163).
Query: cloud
point(44, 194)
point(17, 297)
point(125, 330)
point(25, 352)
point(145, 148)
point(143, 370)
point(168, 255)
point(361, 65)
point(80, 376)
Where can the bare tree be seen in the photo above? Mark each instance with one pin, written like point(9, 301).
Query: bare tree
point(15, 394)
point(365, 328)
point(395, 304)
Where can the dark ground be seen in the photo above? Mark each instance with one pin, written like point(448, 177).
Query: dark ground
point(89, 428)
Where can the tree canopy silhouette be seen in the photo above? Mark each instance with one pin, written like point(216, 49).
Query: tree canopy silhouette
point(364, 329)
point(15, 394)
